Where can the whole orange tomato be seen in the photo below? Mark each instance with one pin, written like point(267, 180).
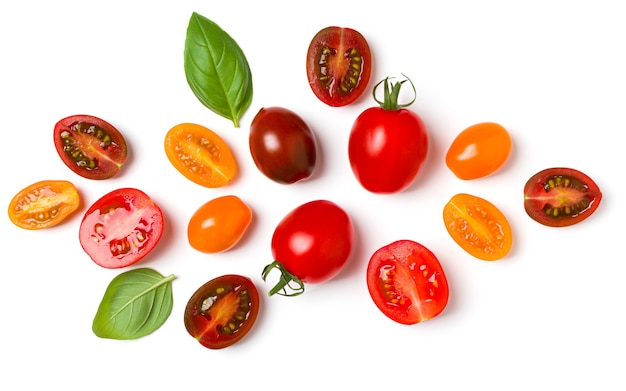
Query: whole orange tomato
point(479, 150)
point(219, 224)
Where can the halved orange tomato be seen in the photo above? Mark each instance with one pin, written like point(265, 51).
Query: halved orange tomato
point(43, 204)
point(478, 226)
point(200, 154)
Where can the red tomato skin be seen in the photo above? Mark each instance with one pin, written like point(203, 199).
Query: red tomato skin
point(314, 241)
point(546, 197)
point(407, 282)
point(386, 149)
point(121, 228)
point(338, 65)
point(91, 154)
point(282, 145)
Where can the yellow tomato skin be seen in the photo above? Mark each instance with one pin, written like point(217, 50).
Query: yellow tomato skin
point(219, 224)
point(479, 150)
point(478, 227)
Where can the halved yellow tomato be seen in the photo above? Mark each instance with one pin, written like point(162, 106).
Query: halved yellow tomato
point(200, 154)
point(43, 204)
point(478, 226)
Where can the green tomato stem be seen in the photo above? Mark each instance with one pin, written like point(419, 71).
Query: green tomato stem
point(286, 282)
point(391, 94)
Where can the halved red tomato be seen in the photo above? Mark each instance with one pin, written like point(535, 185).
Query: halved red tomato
point(121, 228)
point(407, 282)
point(43, 204)
point(338, 65)
point(478, 226)
point(222, 311)
point(560, 197)
point(200, 154)
point(90, 146)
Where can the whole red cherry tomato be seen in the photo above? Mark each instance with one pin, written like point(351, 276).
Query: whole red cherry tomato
point(560, 197)
point(310, 245)
point(219, 224)
point(407, 282)
point(479, 150)
point(43, 204)
point(387, 144)
point(222, 311)
point(90, 146)
point(338, 65)
point(282, 145)
point(121, 228)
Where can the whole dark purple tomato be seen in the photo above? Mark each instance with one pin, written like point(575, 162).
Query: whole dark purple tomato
point(282, 145)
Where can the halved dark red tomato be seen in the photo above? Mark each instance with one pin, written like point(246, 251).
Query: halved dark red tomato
point(338, 65)
point(222, 311)
point(121, 228)
point(90, 146)
point(560, 197)
point(407, 282)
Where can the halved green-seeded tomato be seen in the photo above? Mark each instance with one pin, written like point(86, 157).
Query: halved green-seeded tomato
point(43, 204)
point(338, 65)
point(222, 311)
point(406, 282)
point(560, 197)
point(90, 146)
point(478, 226)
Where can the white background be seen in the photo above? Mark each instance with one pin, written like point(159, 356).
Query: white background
point(549, 316)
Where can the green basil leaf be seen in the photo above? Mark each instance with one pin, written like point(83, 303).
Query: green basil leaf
point(135, 304)
point(217, 69)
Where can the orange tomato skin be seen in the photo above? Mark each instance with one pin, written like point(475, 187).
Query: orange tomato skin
point(201, 155)
point(478, 227)
point(43, 204)
point(479, 150)
point(219, 224)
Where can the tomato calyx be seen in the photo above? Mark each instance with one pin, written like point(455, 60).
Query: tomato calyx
point(288, 284)
point(392, 92)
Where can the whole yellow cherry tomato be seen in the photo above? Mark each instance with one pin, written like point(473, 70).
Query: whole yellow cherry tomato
point(479, 150)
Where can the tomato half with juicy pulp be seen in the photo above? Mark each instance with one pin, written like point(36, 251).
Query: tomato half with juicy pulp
point(311, 244)
point(282, 145)
point(222, 311)
point(43, 204)
point(219, 224)
point(121, 228)
point(387, 144)
point(338, 65)
point(201, 155)
point(479, 150)
point(560, 197)
point(407, 282)
point(478, 227)
point(90, 146)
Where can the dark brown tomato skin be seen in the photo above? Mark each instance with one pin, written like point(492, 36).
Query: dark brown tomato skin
point(282, 145)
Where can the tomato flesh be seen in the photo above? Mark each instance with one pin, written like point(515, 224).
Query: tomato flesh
point(219, 224)
point(560, 197)
point(339, 65)
point(90, 146)
point(479, 151)
point(478, 227)
point(282, 145)
point(406, 282)
point(43, 204)
point(200, 155)
point(121, 228)
point(222, 311)
point(386, 149)
point(314, 241)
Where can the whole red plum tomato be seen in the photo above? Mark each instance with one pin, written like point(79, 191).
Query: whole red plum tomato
point(121, 228)
point(282, 145)
point(311, 244)
point(338, 65)
point(387, 144)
